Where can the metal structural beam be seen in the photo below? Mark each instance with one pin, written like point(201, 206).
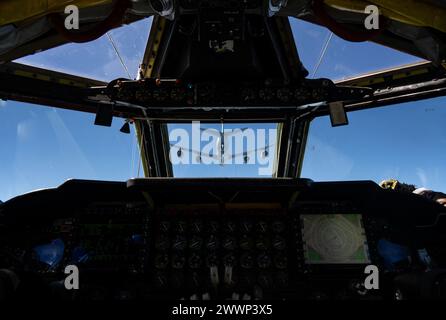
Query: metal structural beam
point(152, 134)
point(25, 83)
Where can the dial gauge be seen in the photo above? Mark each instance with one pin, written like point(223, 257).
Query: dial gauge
point(179, 243)
point(161, 261)
point(247, 261)
point(264, 260)
point(212, 242)
point(229, 243)
point(279, 243)
point(178, 261)
point(195, 243)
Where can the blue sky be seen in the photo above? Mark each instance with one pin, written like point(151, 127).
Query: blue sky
point(406, 142)
point(42, 147)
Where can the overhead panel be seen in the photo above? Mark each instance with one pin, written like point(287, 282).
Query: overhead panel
point(13, 11)
point(417, 13)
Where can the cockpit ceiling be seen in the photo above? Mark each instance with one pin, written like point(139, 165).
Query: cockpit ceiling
point(415, 13)
point(414, 27)
point(17, 11)
point(32, 26)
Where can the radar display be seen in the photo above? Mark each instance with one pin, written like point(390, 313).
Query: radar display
point(334, 239)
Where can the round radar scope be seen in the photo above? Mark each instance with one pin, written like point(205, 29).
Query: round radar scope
point(334, 239)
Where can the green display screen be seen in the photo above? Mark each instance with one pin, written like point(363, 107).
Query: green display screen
point(334, 239)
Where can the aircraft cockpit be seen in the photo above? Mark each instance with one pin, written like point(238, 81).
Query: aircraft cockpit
point(255, 173)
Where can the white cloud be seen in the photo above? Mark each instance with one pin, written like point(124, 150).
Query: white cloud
point(422, 176)
point(344, 71)
point(23, 130)
point(315, 34)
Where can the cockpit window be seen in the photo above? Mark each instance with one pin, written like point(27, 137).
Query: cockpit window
point(325, 55)
point(406, 142)
point(223, 150)
point(41, 147)
point(117, 54)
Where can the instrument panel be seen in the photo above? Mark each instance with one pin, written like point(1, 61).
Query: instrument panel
point(176, 93)
point(214, 252)
point(192, 247)
point(112, 237)
point(184, 251)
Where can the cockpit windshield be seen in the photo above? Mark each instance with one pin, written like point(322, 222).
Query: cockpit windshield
point(223, 150)
point(42, 146)
point(406, 142)
point(114, 55)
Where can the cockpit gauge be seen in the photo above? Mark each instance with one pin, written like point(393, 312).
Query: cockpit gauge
point(212, 260)
point(161, 261)
point(179, 243)
point(195, 243)
point(212, 242)
point(248, 94)
point(230, 227)
point(160, 280)
point(266, 94)
point(264, 260)
point(301, 94)
point(278, 226)
point(177, 279)
point(195, 261)
point(213, 226)
point(181, 227)
point(164, 226)
point(284, 94)
point(177, 94)
point(281, 261)
point(262, 226)
point(229, 260)
point(246, 242)
point(178, 261)
point(247, 261)
point(194, 280)
point(229, 243)
point(265, 280)
point(160, 94)
point(196, 226)
point(263, 243)
point(281, 279)
point(246, 226)
point(279, 243)
point(162, 243)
